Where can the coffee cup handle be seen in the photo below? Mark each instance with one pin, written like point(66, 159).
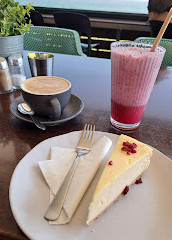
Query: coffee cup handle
point(56, 108)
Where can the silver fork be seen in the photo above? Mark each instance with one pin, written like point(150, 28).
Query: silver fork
point(83, 147)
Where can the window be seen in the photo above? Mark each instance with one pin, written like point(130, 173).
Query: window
point(119, 6)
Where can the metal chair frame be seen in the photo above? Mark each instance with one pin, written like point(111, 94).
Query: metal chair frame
point(78, 22)
point(37, 18)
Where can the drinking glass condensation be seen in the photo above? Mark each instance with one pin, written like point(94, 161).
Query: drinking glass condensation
point(134, 69)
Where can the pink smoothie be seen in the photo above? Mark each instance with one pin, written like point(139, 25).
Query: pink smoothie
point(133, 74)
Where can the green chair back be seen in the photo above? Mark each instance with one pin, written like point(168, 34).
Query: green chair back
point(53, 40)
point(166, 43)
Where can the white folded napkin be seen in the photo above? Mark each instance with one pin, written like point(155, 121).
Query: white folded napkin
point(55, 170)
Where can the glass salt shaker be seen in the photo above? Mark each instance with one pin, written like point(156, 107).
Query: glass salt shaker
point(5, 78)
point(16, 67)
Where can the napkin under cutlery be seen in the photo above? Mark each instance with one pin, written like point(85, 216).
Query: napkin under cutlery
point(55, 170)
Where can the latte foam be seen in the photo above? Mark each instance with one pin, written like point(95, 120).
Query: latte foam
point(45, 85)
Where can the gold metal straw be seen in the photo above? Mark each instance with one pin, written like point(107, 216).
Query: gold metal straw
point(162, 30)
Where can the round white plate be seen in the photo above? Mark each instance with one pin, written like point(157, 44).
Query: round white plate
point(145, 213)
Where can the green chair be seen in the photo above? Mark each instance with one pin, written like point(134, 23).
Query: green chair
point(53, 40)
point(166, 43)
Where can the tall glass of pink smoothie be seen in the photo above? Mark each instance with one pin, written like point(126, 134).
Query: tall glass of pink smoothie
point(134, 69)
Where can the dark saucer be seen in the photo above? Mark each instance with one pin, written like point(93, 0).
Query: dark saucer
point(73, 109)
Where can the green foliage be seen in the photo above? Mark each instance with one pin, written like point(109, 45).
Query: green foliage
point(13, 18)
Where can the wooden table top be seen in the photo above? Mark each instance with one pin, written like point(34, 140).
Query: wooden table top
point(90, 78)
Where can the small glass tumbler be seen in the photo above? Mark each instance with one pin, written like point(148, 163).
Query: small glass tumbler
point(134, 68)
point(16, 68)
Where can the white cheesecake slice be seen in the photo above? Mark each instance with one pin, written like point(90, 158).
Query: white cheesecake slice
point(128, 161)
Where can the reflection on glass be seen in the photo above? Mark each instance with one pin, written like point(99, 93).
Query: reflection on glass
point(125, 6)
